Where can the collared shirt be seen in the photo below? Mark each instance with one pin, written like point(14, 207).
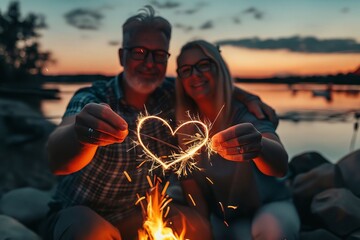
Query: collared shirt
point(103, 185)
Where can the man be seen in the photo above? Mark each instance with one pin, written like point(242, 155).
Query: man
point(93, 145)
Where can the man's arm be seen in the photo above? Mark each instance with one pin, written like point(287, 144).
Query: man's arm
point(74, 142)
point(254, 104)
point(66, 153)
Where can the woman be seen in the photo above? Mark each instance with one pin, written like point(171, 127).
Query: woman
point(238, 187)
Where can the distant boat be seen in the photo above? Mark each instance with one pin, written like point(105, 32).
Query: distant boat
point(326, 93)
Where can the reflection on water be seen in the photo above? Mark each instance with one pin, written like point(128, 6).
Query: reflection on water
point(53, 109)
point(309, 120)
point(313, 117)
point(302, 97)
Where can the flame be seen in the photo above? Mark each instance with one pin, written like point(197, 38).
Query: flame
point(154, 227)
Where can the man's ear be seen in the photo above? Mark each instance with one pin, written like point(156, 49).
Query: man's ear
point(120, 53)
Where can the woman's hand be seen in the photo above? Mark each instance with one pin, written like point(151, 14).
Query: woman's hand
point(241, 142)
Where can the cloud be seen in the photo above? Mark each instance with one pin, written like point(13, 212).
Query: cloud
point(84, 19)
point(193, 10)
point(186, 28)
point(252, 11)
point(345, 10)
point(188, 11)
point(165, 5)
point(255, 12)
point(236, 20)
point(106, 6)
point(114, 43)
point(207, 25)
point(297, 44)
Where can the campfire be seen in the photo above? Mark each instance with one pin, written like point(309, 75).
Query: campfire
point(155, 227)
point(156, 210)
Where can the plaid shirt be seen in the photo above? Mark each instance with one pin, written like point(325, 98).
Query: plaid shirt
point(102, 184)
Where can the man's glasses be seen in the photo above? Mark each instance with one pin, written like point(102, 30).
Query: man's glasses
point(141, 53)
point(204, 65)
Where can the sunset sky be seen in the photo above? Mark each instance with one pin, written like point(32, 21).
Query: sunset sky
point(258, 38)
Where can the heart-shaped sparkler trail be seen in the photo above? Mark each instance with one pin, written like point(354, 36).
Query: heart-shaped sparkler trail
point(185, 154)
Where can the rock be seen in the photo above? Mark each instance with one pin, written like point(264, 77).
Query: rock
point(354, 236)
point(350, 167)
point(27, 205)
point(338, 210)
point(318, 234)
point(14, 230)
point(23, 161)
point(307, 185)
point(305, 162)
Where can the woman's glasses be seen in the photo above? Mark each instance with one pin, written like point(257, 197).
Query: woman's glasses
point(141, 53)
point(204, 65)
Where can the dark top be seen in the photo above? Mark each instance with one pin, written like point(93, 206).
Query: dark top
point(238, 186)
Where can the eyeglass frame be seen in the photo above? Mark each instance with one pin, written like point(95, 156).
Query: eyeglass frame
point(146, 54)
point(192, 66)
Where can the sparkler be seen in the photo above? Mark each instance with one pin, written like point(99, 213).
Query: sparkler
point(179, 161)
point(154, 226)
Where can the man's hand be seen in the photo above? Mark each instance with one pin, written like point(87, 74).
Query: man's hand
point(241, 142)
point(254, 104)
point(98, 124)
point(262, 111)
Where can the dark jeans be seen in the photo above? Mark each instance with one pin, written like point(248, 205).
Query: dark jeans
point(78, 223)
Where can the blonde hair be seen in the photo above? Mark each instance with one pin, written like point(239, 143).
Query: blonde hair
point(224, 86)
point(145, 19)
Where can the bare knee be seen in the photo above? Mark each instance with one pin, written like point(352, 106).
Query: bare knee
point(276, 220)
point(268, 228)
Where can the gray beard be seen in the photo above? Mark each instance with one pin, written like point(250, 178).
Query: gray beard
point(143, 87)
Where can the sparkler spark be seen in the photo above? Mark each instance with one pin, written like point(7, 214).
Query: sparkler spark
point(222, 207)
point(232, 207)
point(192, 200)
point(127, 176)
point(180, 160)
point(209, 180)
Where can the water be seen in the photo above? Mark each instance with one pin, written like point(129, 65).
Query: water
point(312, 118)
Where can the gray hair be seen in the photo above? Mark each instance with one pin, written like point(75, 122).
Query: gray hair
point(145, 19)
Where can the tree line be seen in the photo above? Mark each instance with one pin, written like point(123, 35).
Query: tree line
point(20, 53)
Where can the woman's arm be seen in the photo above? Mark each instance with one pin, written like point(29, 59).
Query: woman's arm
point(273, 159)
point(242, 142)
